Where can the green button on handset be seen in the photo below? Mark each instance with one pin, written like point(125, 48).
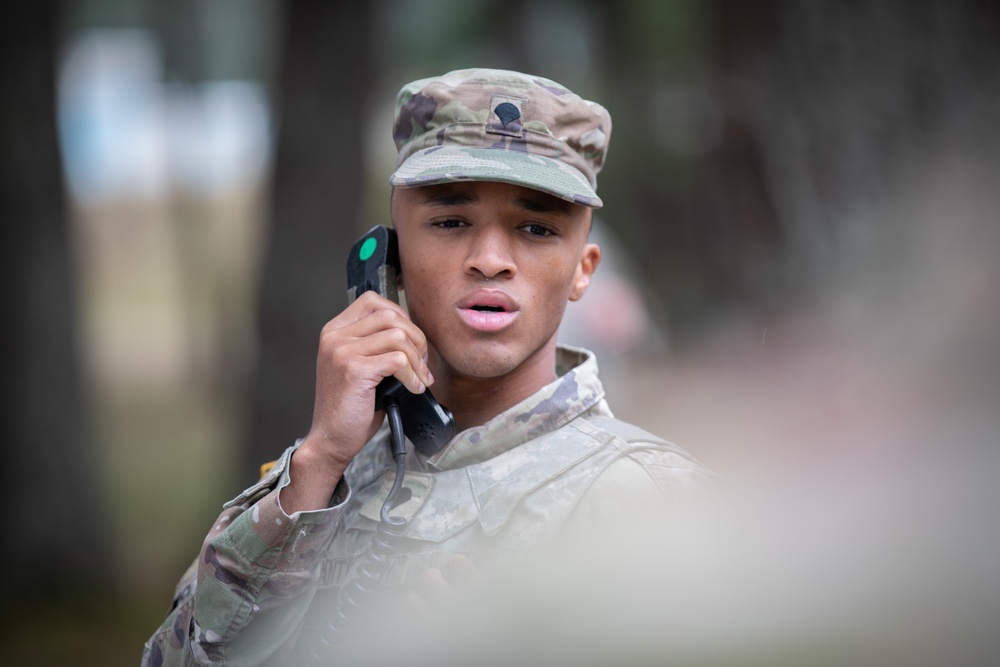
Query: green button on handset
point(368, 248)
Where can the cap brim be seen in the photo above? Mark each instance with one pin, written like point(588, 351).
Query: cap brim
point(452, 164)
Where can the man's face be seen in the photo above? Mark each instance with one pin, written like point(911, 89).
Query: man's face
point(488, 269)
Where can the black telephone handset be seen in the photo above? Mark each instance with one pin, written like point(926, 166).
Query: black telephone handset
point(373, 265)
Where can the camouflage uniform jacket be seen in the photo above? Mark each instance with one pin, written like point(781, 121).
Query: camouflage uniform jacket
point(263, 577)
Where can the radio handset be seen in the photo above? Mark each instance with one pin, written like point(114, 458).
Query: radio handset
point(373, 265)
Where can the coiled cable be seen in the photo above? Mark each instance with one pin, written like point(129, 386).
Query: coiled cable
point(374, 562)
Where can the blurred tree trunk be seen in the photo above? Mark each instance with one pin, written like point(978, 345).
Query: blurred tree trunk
point(828, 107)
point(762, 137)
point(653, 185)
point(322, 83)
point(53, 544)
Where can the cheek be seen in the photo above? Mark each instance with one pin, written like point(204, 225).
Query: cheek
point(420, 292)
point(555, 284)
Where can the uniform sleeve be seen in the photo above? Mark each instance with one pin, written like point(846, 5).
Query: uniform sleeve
point(242, 600)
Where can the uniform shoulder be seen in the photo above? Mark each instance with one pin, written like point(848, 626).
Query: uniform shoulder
point(626, 431)
point(664, 461)
point(611, 429)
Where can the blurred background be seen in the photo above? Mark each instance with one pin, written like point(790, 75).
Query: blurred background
point(801, 281)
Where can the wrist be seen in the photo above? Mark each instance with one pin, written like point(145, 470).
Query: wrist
point(314, 458)
point(313, 478)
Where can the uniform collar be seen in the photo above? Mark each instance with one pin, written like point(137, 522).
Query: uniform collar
point(577, 390)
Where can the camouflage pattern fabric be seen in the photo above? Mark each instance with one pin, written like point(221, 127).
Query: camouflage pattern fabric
point(497, 125)
point(264, 584)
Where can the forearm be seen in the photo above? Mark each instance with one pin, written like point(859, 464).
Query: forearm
point(255, 578)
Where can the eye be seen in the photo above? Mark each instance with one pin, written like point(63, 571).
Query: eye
point(535, 229)
point(448, 224)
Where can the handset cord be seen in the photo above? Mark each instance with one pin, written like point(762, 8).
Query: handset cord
point(399, 456)
point(374, 561)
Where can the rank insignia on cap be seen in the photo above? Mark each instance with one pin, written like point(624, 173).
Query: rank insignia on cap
point(507, 112)
point(506, 116)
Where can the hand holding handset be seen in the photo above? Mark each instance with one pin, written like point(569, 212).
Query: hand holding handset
point(373, 265)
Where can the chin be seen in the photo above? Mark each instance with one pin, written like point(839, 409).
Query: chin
point(493, 359)
point(489, 367)
point(471, 361)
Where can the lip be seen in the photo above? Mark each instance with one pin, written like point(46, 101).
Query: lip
point(487, 320)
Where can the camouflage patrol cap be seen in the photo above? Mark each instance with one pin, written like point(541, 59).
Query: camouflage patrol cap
point(498, 125)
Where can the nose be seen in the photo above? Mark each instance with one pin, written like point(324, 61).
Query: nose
point(490, 254)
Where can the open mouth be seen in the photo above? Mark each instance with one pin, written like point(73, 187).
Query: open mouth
point(488, 310)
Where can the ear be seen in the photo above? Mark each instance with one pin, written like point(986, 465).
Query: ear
point(590, 257)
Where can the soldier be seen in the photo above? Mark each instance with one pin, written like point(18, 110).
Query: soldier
point(493, 195)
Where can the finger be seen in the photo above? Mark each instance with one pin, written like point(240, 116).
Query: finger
point(388, 353)
point(369, 314)
point(407, 338)
point(370, 302)
point(386, 320)
point(356, 345)
point(394, 363)
point(364, 307)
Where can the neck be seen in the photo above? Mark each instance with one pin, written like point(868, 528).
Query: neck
point(475, 400)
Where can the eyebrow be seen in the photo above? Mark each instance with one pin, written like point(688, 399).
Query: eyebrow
point(541, 204)
point(450, 198)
